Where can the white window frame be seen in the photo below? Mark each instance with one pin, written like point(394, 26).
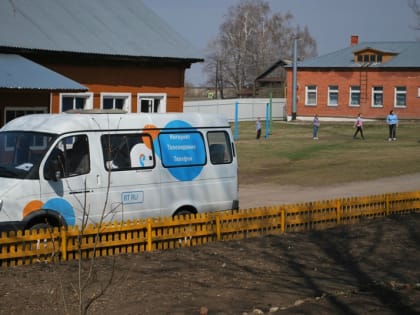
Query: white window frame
point(332, 89)
point(400, 92)
point(39, 109)
point(125, 96)
point(152, 96)
point(87, 96)
point(309, 89)
point(380, 92)
point(354, 90)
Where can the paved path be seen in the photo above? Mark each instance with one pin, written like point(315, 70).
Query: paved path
point(265, 195)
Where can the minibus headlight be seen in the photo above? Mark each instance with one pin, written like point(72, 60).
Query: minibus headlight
point(1, 204)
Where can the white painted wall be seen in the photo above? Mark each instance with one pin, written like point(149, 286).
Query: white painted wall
point(248, 108)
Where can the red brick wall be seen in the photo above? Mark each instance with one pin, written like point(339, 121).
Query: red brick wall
point(346, 78)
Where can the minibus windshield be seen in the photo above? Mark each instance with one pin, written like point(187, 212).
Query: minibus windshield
point(21, 152)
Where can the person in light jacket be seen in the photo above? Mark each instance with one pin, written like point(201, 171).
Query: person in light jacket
point(358, 124)
point(315, 127)
point(392, 121)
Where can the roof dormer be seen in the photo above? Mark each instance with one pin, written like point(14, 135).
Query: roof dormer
point(367, 56)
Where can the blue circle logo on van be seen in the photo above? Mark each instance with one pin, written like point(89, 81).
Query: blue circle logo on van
point(63, 207)
point(182, 150)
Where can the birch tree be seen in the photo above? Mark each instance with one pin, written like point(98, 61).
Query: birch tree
point(250, 40)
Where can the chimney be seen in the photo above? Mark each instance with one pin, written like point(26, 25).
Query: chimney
point(354, 40)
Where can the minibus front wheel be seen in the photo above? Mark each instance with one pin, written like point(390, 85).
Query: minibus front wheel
point(44, 219)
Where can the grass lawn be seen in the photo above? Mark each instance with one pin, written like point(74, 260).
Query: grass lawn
point(291, 156)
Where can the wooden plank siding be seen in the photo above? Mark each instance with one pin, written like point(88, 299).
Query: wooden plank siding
point(132, 79)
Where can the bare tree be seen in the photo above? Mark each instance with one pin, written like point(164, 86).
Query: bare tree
point(213, 66)
point(415, 6)
point(249, 41)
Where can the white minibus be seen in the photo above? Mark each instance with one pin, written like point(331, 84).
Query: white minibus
point(88, 166)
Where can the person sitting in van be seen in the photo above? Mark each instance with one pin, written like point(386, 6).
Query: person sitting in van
point(22, 150)
point(55, 165)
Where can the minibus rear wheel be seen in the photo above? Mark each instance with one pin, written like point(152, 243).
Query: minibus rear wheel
point(185, 210)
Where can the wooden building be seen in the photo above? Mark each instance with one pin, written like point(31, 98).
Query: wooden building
point(272, 82)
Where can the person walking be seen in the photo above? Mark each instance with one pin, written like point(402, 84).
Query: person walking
point(358, 124)
point(258, 128)
point(392, 121)
point(315, 127)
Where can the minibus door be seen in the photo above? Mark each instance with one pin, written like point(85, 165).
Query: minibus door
point(65, 184)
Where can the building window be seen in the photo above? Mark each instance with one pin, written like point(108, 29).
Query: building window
point(369, 58)
point(355, 95)
point(311, 95)
point(333, 95)
point(116, 101)
point(151, 103)
point(14, 112)
point(377, 96)
point(400, 96)
point(76, 101)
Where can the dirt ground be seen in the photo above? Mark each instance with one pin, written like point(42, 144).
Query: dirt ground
point(368, 268)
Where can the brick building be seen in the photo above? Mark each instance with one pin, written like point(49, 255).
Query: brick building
point(368, 77)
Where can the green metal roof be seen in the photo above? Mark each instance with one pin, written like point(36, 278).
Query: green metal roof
point(407, 55)
point(108, 27)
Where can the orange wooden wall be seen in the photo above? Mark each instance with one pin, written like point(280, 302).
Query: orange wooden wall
point(127, 79)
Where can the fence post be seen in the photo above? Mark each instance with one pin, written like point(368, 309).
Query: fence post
point(271, 113)
point(236, 134)
point(218, 227)
point(63, 243)
point(267, 122)
point(338, 211)
point(283, 221)
point(149, 235)
point(387, 205)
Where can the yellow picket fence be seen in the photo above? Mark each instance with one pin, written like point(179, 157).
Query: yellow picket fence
point(27, 247)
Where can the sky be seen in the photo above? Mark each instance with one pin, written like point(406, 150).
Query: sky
point(330, 22)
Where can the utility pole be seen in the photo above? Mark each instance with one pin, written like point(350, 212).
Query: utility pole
point(294, 97)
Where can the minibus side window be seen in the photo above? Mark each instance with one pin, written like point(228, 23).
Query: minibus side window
point(127, 151)
point(219, 147)
point(182, 149)
point(70, 157)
